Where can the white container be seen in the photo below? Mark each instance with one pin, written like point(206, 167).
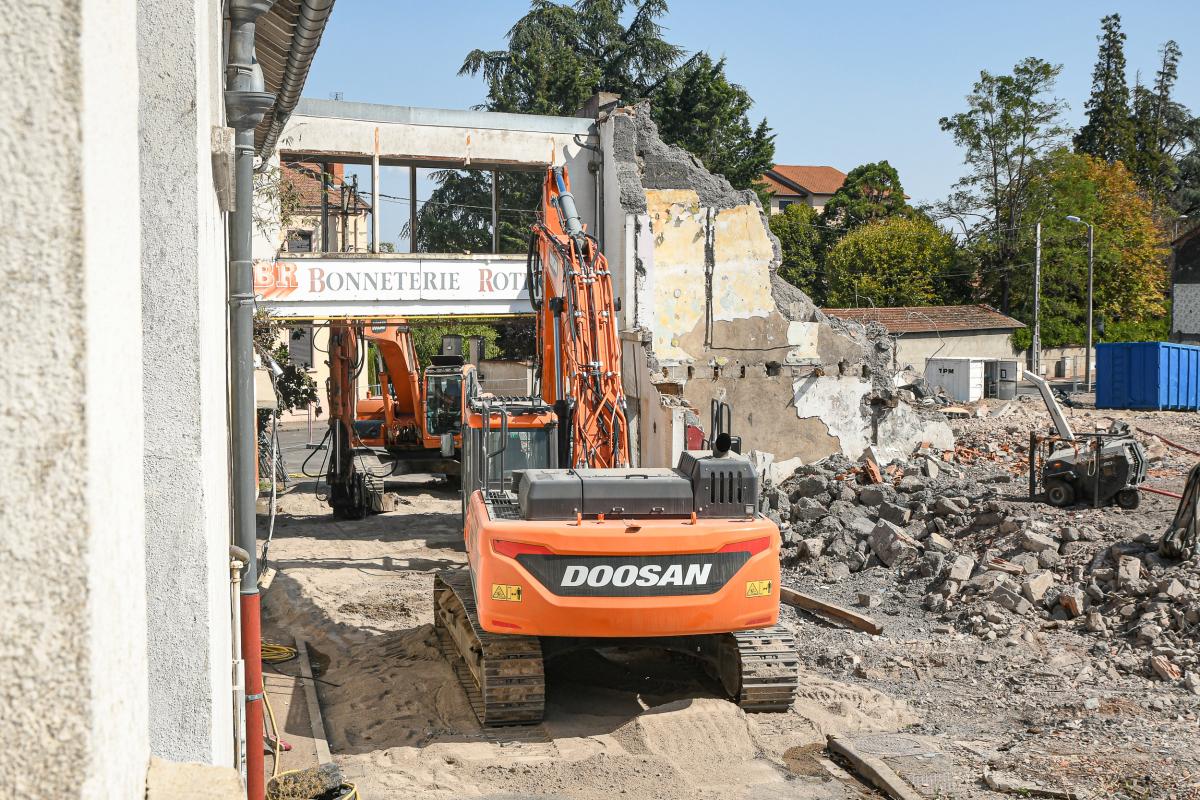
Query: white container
point(962, 378)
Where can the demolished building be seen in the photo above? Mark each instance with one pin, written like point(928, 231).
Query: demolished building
point(703, 314)
point(706, 317)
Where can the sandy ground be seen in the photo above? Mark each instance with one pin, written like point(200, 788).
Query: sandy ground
point(1034, 703)
point(400, 726)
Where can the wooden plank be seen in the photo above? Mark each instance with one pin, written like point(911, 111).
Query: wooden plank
point(314, 707)
point(810, 603)
point(879, 774)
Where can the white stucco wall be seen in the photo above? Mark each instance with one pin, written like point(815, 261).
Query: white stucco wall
point(914, 348)
point(816, 201)
point(184, 384)
point(72, 647)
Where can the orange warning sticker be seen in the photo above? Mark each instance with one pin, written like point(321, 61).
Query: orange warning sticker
point(502, 591)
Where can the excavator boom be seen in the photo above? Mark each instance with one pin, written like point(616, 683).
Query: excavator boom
point(571, 291)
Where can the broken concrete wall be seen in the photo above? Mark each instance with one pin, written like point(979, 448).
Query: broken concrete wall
point(706, 317)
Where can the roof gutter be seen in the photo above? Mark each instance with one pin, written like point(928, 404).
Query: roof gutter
point(310, 24)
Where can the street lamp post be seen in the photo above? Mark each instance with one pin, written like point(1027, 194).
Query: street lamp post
point(1087, 358)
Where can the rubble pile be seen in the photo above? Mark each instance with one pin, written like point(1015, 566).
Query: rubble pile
point(993, 564)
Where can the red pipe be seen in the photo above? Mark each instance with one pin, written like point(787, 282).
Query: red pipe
point(1168, 442)
point(1160, 491)
point(256, 766)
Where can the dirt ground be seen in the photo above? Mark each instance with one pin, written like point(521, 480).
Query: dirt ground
point(399, 725)
point(1032, 703)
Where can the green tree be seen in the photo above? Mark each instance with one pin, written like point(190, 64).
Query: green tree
point(697, 108)
point(800, 244)
point(891, 262)
point(1011, 121)
point(457, 217)
point(295, 387)
point(1108, 132)
point(871, 192)
point(427, 339)
point(557, 56)
point(1163, 128)
point(1130, 270)
point(1186, 196)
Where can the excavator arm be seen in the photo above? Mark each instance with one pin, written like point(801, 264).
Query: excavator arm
point(570, 287)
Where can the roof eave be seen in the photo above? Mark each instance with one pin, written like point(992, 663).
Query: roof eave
point(285, 42)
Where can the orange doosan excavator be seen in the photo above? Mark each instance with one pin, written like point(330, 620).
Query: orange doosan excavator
point(411, 417)
point(569, 547)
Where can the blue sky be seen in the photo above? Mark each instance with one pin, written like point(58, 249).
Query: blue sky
point(839, 83)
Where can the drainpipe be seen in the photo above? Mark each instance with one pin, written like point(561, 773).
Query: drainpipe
point(245, 105)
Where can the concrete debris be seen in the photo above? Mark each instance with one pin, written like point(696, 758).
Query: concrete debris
point(1129, 571)
point(779, 471)
point(1036, 542)
point(1034, 587)
point(961, 569)
point(1164, 669)
point(1009, 597)
point(1074, 601)
point(1024, 788)
point(891, 545)
point(989, 563)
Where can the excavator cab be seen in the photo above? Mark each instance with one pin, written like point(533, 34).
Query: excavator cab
point(443, 397)
point(502, 436)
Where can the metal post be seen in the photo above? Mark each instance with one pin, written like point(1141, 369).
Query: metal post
point(1035, 362)
point(495, 211)
point(412, 209)
point(344, 216)
point(324, 208)
point(1033, 454)
point(375, 196)
point(1087, 356)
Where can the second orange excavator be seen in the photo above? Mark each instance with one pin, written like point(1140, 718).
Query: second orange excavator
point(410, 416)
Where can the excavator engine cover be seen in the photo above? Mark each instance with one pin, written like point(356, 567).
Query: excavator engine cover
point(558, 494)
point(710, 486)
point(722, 486)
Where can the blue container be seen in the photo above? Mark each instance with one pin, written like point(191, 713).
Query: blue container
point(1150, 375)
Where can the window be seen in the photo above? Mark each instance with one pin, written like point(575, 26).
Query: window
point(299, 240)
point(525, 449)
point(785, 203)
point(443, 403)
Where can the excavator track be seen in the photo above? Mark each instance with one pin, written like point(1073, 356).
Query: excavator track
point(760, 668)
point(502, 674)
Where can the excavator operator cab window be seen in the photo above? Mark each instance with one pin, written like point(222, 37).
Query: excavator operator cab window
point(443, 403)
point(526, 449)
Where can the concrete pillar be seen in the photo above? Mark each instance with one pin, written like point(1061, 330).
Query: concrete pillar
point(184, 384)
point(73, 642)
